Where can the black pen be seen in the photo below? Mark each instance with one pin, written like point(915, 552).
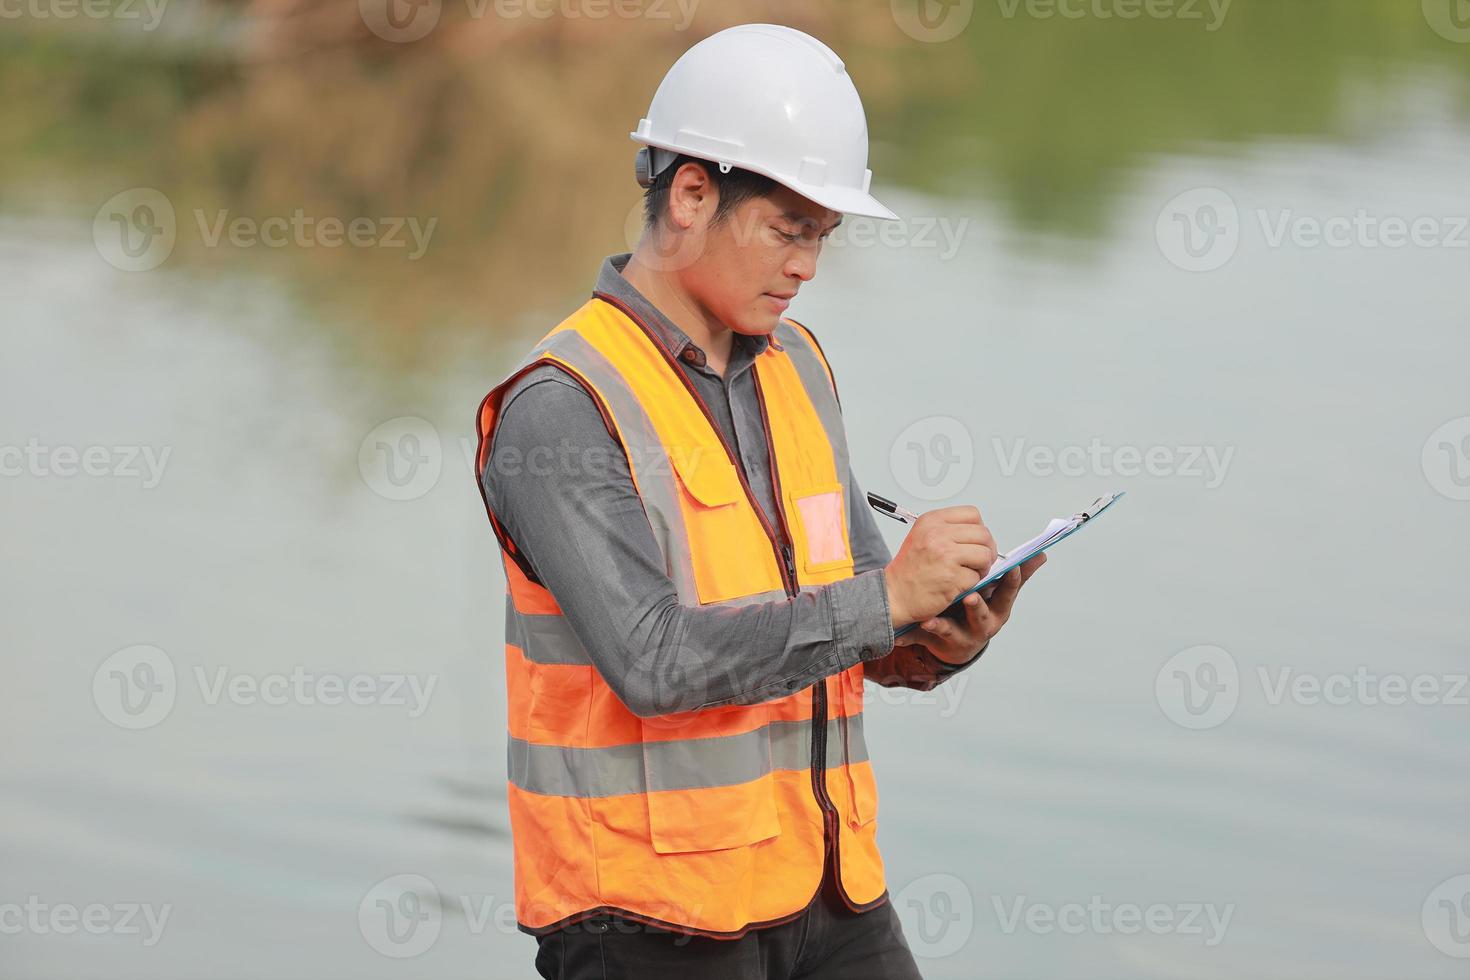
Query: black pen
point(888, 508)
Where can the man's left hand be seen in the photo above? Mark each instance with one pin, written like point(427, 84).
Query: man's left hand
point(956, 642)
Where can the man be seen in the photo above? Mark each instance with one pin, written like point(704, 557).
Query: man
point(696, 592)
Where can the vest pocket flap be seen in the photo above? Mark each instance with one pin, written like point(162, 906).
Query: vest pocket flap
point(708, 794)
point(708, 475)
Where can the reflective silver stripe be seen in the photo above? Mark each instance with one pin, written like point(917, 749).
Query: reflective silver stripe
point(857, 745)
point(808, 364)
point(544, 638)
point(647, 459)
point(686, 764)
point(548, 638)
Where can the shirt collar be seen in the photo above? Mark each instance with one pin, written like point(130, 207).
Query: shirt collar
point(610, 281)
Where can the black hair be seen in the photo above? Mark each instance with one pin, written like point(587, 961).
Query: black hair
point(735, 188)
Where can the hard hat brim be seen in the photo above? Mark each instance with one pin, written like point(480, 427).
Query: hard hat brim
point(845, 200)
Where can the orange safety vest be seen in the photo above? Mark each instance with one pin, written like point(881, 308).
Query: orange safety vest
point(709, 821)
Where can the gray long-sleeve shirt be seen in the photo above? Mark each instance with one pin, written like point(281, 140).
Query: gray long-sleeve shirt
point(581, 526)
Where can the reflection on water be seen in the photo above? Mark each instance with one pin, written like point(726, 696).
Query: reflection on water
point(1312, 537)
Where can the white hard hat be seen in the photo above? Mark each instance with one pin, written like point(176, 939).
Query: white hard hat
point(767, 99)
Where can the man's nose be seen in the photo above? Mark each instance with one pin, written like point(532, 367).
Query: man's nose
point(802, 265)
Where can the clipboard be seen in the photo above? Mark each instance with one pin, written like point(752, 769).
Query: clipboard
point(1055, 532)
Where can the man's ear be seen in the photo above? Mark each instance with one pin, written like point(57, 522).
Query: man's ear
point(690, 194)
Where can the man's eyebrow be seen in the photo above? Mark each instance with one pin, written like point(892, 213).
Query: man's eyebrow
point(801, 219)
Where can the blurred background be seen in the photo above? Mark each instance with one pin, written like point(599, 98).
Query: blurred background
point(260, 260)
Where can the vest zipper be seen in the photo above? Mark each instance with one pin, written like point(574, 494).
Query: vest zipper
point(819, 689)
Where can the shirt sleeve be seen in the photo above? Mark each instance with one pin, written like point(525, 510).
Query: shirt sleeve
point(560, 486)
point(907, 664)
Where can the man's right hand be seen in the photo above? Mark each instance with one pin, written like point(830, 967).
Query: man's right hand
point(946, 552)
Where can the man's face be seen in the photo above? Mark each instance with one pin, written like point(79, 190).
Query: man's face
point(754, 261)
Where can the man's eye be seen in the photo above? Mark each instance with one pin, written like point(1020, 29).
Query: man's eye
point(790, 239)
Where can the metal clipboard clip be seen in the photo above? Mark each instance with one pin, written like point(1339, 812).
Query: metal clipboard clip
point(1098, 506)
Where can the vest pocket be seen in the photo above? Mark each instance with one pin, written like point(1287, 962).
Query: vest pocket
point(709, 794)
point(821, 527)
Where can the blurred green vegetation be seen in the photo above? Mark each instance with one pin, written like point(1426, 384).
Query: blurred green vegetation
point(513, 133)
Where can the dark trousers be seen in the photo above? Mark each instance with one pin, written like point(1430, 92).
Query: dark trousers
point(828, 940)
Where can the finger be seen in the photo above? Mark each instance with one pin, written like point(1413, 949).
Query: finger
point(977, 556)
point(1005, 596)
point(966, 514)
point(970, 534)
point(977, 613)
point(1030, 565)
